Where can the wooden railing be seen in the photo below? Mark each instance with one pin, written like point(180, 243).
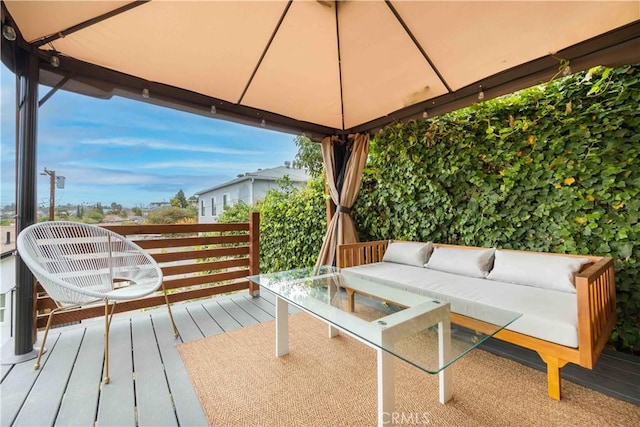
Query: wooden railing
point(197, 261)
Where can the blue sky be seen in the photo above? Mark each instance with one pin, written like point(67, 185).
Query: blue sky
point(132, 153)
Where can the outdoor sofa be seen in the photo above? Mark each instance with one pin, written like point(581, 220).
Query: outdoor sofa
point(568, 302)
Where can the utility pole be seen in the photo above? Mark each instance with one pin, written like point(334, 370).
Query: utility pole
point(52, 192)
point(53, 180)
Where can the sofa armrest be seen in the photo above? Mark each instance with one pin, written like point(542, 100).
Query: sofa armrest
point(352, 254)
point(596, 291)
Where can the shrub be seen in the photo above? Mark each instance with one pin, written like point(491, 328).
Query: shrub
point(292, 226)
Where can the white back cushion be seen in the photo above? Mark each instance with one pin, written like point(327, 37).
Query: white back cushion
point(410, 253)
point(539, 270)
point(468, 262)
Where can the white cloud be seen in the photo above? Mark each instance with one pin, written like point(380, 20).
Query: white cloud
point(236, 167)
point(160, 145)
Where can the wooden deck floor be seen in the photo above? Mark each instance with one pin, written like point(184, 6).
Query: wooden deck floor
point(149, 383)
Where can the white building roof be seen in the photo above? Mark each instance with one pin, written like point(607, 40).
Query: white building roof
point(271, 174)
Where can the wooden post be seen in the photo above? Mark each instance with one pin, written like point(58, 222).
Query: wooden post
point(52, 194)
point(254, 251)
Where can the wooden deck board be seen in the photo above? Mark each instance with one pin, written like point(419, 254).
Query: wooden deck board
point(266, 306)
point(117, 399)
point(4, 370)
point(17, 385)
point(204, 321)
point(614, 382)
point(224, 319)
point(237, 313)
point(185, 400)
point(188, 329)
point(253, 310)
point(627, 371)
point(270, 298)
point(153, 398)
point(41, 406)
point(80, 402)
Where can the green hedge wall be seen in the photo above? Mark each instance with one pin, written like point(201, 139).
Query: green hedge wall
point(554, 168)
point(292, 226)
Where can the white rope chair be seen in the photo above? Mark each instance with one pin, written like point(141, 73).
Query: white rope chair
point(80, 264)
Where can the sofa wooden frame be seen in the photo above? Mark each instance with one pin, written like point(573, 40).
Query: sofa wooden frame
point(596, 299)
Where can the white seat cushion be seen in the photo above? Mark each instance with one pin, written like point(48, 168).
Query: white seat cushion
point(546, 314)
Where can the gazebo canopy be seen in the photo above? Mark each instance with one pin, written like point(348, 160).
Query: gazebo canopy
point(316, 67)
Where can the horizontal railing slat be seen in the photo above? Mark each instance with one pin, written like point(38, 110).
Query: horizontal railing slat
point(128, 230)
point(203, 253)
point(204, 266)
point(205, 279)
point(191, 241)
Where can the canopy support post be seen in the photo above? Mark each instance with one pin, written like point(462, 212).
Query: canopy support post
point(25, 332)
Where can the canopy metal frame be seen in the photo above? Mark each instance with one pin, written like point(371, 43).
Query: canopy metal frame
point(615, 47)
point(32, 65)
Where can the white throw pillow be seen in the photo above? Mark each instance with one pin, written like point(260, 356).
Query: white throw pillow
point(539, 270)
point(467, 262)
point(411, 253)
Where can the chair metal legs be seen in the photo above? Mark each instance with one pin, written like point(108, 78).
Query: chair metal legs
point(107, 326)
point(166, 300)
point(44, 338)
point(46, 331)
point(108, 315)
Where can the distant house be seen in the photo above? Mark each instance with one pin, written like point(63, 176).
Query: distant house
point(249, 188)
point(159, 205)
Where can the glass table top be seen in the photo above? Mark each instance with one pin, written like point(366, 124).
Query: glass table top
point(402, 323)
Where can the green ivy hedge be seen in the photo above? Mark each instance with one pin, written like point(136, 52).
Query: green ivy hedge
point(292, 225)
point(554, 168)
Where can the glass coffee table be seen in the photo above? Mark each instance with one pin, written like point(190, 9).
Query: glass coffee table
point(396, 323)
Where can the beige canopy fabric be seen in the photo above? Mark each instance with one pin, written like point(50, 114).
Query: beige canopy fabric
point(319, 67)
point(343, 175)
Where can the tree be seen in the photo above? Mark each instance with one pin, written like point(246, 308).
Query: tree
point(99, 208)
point(94, 216)
point(309, 156)
point(116, 208)
point(136, 211)
point(80, 211)
point(170, 215)
point(179, 200)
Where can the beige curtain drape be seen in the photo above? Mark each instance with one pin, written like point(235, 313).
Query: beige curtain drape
point(341, 228)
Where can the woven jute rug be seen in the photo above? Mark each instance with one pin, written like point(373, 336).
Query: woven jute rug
point(332, 382)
